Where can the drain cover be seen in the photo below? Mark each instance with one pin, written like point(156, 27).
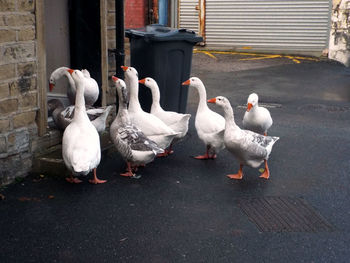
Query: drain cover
point(266, 105)
point(283, 214)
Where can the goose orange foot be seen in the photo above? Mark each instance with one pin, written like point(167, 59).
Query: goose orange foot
point(238, 175)
point(169, 152)
point(164, 154)
point(205, 157)
point(95, 180)
point(170, 149)
point(127, 174)
point(266, 173)
point(73, 180)
point(235, 176)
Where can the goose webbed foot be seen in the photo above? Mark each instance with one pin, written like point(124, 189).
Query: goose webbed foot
point(266, 173)
point(95, 180)
point(205, 157)
point(237, 176)
point(73, 180)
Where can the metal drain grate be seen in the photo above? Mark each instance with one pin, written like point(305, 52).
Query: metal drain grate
point(321, 107)
point(266, 105)
point(283, 214)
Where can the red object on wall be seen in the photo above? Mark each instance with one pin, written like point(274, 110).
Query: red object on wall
point(136, 13)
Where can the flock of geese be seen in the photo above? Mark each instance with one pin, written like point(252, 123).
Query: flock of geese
point(139, 136)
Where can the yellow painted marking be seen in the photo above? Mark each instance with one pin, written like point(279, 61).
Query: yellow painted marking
point(264, 57)
point(246, 47)
point(308, 58)
point(209, 54)
point(293, 58)
point(255, 56)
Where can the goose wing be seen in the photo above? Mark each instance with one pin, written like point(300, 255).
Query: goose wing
point(136, 140)
point(257, 145)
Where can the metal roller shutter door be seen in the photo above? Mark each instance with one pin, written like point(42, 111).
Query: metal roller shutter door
point(188, 17)
point(268, 25)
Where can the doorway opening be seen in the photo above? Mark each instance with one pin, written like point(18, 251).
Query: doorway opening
point(73, 40)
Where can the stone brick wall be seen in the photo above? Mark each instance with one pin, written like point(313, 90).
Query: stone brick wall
point(111, 91)
point(339, 41)
point(135, 13)
point(18, 87)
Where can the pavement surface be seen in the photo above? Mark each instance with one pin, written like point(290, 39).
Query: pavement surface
point(187, 210)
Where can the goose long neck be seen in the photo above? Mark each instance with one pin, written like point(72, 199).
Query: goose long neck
point(254, 108)
point(70, 80)
point(133, 85)
point(155, 95)
point(123, 114)
point(202, 97)
point(62, 71)
point(80, 110)
point(122, 104)
point(229, 117)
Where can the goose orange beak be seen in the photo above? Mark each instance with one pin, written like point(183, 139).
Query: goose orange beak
point(51, 86)
point(213, 100)
point(249, 106)
point(142, 81)
point(124, 68)
point(114, 78)
point(187, 82)
point(70, 71)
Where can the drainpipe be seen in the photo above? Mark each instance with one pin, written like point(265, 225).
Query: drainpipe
point(119, 38)
point(155, 13)
point(163, 12)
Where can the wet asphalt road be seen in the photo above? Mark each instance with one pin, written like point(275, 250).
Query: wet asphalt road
point(186, 210)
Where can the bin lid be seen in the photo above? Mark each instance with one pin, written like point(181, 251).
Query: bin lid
point(156, 32)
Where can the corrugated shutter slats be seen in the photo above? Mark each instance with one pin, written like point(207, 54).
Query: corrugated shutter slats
point(268, 25)
point(189, 15)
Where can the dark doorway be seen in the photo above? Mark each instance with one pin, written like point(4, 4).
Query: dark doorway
point(85, 38)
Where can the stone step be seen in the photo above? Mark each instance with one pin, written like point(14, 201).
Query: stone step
point(51, 163)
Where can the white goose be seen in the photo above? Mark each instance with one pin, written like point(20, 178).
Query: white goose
point(248, 147)
point(135, 148)
point(210, 125)
point(63, 116)
point(91, 87)
point(81, 143)
point(176, 121)
point(257, 119)
point(155, 129)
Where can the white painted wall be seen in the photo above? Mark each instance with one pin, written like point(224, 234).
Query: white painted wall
point(339, 40)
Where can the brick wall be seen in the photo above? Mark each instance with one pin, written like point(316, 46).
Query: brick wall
point(111, 91)
point(18, 88)
point(135, 13)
